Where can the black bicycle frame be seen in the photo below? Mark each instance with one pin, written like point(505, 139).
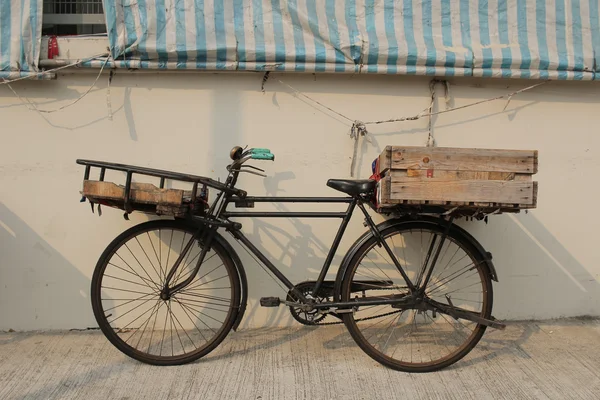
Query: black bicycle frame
point(345, 216)
point(218, 216)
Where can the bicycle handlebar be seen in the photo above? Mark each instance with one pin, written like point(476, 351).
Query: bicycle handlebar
point(239, 156)
point(263, 156)
point(259, 150)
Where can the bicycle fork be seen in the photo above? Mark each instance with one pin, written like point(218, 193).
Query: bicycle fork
point(204, 236)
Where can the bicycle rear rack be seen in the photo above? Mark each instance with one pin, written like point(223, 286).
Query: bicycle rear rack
point(164, 175)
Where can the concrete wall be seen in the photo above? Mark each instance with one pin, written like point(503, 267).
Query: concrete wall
point(547, 260)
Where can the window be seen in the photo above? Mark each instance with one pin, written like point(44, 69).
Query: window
point(73, 17)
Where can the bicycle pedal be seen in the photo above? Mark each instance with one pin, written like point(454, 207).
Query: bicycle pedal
point(270, 301)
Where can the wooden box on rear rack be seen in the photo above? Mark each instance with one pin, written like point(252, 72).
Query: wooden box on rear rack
point(479, 180)
point(144, 197)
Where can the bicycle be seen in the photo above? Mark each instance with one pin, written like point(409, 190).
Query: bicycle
point(415, 292)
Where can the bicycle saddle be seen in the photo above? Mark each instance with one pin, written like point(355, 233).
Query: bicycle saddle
point(352, 187)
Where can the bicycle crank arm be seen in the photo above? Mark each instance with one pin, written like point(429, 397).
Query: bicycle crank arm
point(458, 313)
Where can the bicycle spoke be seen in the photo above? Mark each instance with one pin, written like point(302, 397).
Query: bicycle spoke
point(173, 325)
point(403, 338)
point(200, 319)
point(152, 331)
point(200, 284)
point(163, 335)
point(466, 287)
point(469, 301)
point(132, 273)
point(227, 306)
point(199, 304)
point(184, 331)
point(134, 308)
point(140, 316)
point(190, 318)
point(200, 312)
point(214, 288)
point(447, 243)
point(125, 290)
point(216, 279)
point(203, 262)
point(185, 267)
point(440, 285)
point(126, 280)
point(409, 335)
point(169, 254)
point(459, 332)
point(386, 275)
point(146, 254)
point(452, 265)
point(140, 264)
point(135, 330)
point(204, 296)
point(404, 250)
point(397, 319)
point(164, 273)
point(130, 301)
point(380, 321)
point(469, 267)
point(158, 306)
point(184, 261)
point(156, 254)
point(423, 266)
point(373, 277)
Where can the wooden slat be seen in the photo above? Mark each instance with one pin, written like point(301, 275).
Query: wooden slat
point(513, 192)
point(460, 159)
point(140, 193)
point(164, 209)
point(385, 160)
point(442, 175)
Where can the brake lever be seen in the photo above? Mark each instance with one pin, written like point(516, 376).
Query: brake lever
point(253, 167)
point(250, 172)
point(245, 153)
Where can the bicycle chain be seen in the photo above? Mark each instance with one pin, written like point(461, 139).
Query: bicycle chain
point(358, 320)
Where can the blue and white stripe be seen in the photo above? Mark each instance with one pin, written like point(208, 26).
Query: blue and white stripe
point(20, 36)
point(537, 39)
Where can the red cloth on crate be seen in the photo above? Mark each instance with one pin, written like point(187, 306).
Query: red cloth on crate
point(376, 177)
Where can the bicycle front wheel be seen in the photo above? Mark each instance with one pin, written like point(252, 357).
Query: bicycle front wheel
point(126, 290)
point(418, 338)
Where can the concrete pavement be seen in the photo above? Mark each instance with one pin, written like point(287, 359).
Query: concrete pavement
point(557, 359)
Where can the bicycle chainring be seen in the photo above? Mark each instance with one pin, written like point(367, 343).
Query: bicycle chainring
point(313, 317)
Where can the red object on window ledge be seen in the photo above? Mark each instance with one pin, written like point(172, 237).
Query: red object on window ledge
point(52, 47)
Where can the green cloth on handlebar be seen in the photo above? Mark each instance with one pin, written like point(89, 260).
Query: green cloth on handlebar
point(263, 156)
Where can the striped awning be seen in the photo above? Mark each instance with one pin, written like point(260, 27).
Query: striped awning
point(537, 39)
point(20, 36)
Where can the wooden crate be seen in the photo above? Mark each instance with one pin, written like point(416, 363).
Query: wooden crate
point(450, 177)
point(143, 197)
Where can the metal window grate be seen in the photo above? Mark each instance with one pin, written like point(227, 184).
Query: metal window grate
point(73, 12)
point(73, 7)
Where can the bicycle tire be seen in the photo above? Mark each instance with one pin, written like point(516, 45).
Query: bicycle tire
point(350, 319)
point(229, 305)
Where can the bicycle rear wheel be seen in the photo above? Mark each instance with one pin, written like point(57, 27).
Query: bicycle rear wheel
point(414, 339)
point(126, 294)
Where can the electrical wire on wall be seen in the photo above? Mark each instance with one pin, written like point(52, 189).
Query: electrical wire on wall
point(358, 128)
